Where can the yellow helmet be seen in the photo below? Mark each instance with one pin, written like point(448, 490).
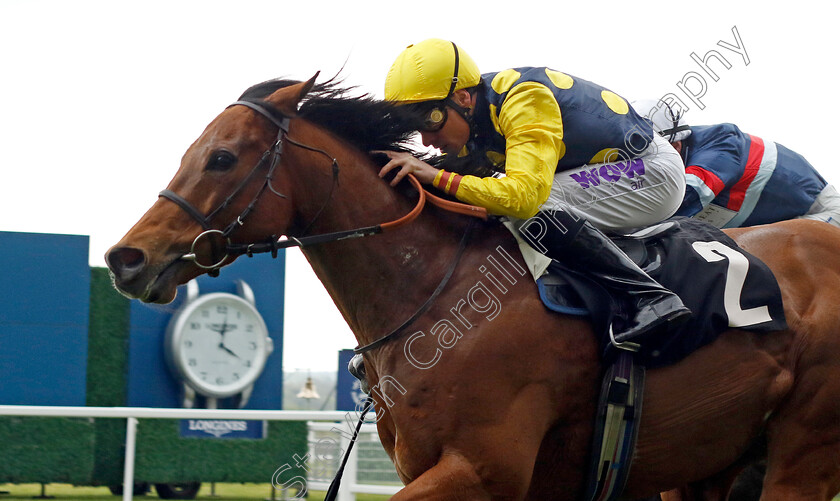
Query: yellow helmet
point(430, 71)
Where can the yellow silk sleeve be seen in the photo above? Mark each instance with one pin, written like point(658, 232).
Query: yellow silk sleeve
point(531, 123)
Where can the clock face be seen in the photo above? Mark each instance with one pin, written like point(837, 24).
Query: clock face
point(218, 344)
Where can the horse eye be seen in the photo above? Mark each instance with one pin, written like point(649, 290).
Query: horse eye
point(221, 161)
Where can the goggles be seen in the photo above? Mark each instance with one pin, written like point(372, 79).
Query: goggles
point(435, 118)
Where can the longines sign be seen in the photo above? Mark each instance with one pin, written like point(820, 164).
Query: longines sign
point(223, 428)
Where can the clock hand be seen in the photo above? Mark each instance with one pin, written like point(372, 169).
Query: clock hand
point(225, 328)
point(225, 348)
point(222, 332)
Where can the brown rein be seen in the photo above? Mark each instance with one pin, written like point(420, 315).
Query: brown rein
point(274, 245)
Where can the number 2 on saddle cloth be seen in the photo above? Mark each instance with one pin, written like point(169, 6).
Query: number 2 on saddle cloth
point(724, 286)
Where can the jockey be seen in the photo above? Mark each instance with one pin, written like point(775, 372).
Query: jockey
point(734, 179)
point(576, 158)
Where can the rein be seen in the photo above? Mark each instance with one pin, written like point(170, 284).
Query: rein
point(274, 245)
point(424, 196)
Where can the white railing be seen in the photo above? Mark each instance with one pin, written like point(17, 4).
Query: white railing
point(368, 468)
point(350, 485)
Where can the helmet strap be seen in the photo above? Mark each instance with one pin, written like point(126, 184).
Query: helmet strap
point(454, 73)
point(448, 101)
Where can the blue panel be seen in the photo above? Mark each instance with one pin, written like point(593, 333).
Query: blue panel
point(44, 315)
point(150, 383)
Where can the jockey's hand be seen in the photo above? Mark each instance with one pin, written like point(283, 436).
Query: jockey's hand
point(407, 164)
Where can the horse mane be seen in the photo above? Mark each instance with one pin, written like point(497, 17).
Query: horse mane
point(369, 123)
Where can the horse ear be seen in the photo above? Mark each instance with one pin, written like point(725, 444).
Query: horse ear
point(287, 99)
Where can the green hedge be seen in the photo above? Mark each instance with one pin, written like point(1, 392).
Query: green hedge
point(163, 456)
point(107, 373)
point(36, 449)
point(90, 452)
point(107, 342)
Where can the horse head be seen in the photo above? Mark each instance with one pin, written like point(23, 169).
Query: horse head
point(232, 170)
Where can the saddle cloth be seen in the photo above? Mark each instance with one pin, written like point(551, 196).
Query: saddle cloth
point(723, 285)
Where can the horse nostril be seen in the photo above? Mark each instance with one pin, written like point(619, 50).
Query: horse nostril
point(126, 262)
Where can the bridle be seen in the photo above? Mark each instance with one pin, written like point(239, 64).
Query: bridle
point(273, 155)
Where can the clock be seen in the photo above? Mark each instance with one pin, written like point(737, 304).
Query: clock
point(217, 344)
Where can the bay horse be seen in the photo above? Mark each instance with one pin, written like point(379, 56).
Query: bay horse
point(488, 394)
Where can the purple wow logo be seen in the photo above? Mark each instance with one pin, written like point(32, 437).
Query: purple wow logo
point(609, 172)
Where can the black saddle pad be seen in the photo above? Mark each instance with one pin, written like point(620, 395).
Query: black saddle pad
point(723, 285)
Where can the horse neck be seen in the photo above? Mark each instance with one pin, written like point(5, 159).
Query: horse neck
point(379, 280)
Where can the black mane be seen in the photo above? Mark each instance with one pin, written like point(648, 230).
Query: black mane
point(369, 123)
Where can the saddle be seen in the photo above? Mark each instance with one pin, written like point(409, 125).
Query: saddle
point(723, 285)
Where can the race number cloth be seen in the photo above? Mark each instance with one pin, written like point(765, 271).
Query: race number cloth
point(723, 285)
